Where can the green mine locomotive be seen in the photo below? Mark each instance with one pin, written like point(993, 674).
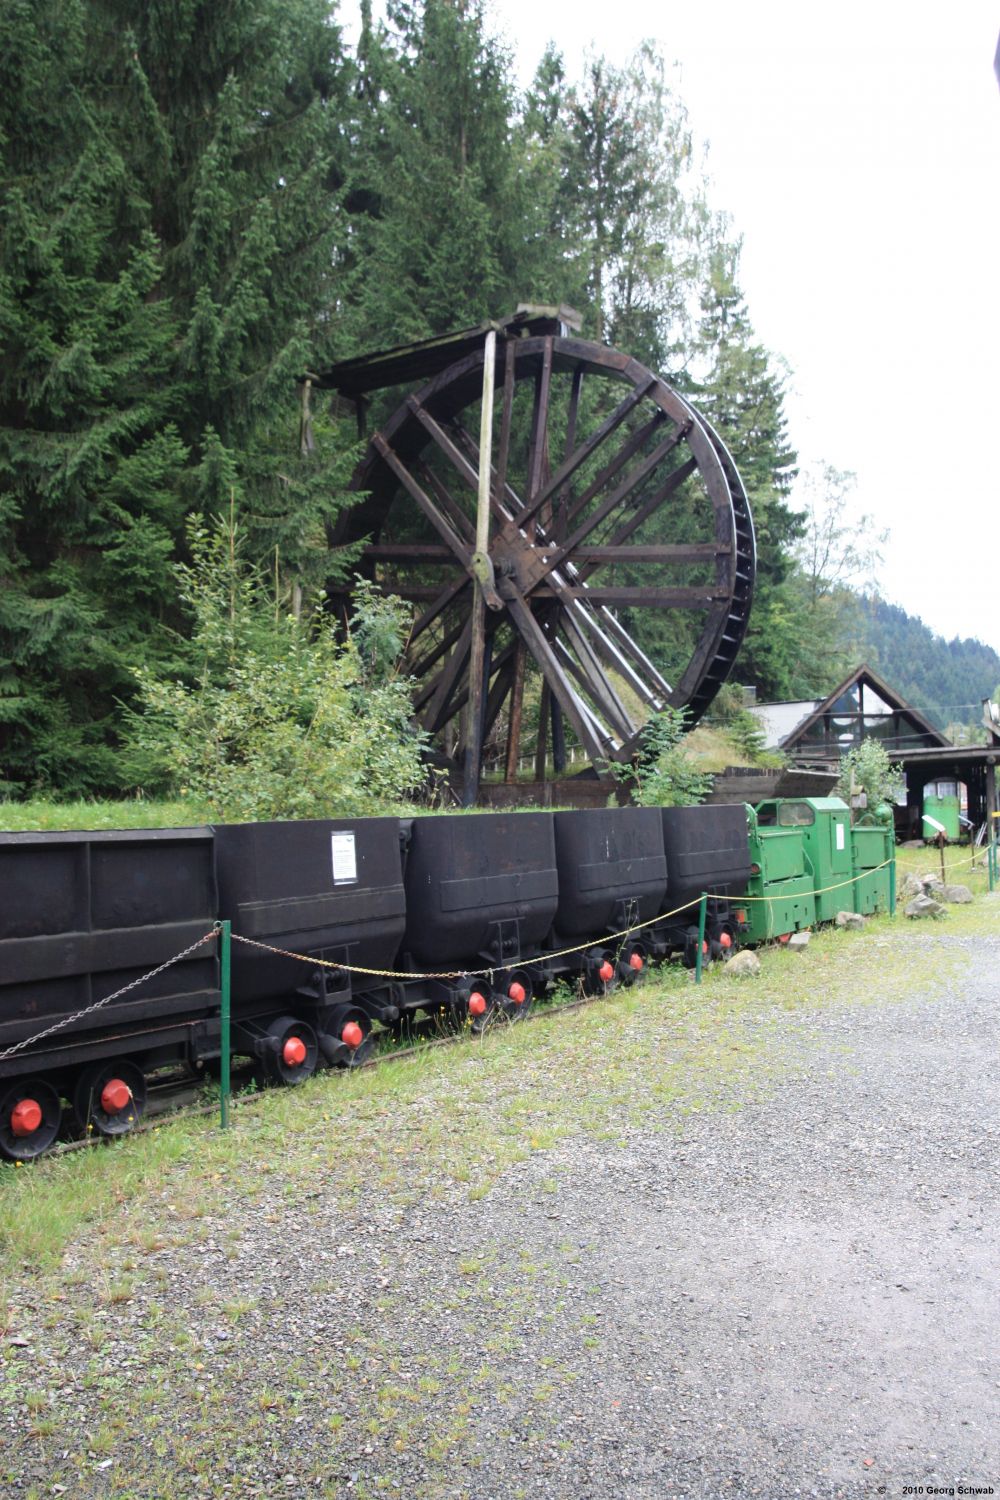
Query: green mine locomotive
point(810, 863)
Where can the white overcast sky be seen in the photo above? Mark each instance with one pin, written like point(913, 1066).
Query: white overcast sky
point(856, 148)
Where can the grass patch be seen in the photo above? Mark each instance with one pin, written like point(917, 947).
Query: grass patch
point(456, 1118)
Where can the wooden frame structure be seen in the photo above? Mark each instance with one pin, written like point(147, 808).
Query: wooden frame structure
point(527, 547)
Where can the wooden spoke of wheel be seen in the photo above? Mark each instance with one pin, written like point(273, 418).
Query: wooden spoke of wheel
point(596, 460)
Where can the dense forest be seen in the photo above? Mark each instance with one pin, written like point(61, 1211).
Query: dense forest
point(202, 203)
point(947, 680)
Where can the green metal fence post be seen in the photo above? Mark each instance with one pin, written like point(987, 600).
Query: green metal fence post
point(991, 857)
point(702, 914)
point(225, 955)
point(892, 886)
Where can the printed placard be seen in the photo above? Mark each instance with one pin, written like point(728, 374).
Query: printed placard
point(840, 835)
point(345, 859)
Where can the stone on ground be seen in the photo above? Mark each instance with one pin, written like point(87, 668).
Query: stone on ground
point(743, 963)
point(852, 919)
point(960, 895)
point(923, 906)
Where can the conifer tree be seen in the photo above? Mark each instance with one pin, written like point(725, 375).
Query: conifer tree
point(435, 231)
point(166, 246)
point(742, 394)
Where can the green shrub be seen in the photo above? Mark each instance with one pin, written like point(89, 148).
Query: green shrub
point(665, 775)
point(277, 718)
point(867, 768)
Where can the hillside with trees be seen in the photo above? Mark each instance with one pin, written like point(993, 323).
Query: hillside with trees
point(227, 198)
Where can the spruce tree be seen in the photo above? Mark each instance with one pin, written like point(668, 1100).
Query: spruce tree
point(431, 186)
point(742, 393)
point(169, 234)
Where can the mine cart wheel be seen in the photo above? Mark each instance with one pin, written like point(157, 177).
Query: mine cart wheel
point(601, 471)
point(109, 1097)
point(633, 962)
point(690, 959)
point(515, 994)
point(600, 975)
point(294, 1057)
point(347, 1039)
point(30, 1115)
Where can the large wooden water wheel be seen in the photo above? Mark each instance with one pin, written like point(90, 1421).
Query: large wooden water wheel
point(604, 495)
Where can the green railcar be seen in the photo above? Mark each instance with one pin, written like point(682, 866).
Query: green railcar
point(942, 810)
point(779, 872)
point(825, 826)
point(874, 844)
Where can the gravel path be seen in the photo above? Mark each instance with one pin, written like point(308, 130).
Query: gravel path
point(800, 1296)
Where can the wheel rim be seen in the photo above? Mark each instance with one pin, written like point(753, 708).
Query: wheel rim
point(30, 1115)
point(110, 1097)
point(607, 469)
point(516, 993)
point(292, 1052)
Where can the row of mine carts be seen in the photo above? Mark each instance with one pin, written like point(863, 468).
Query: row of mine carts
point(463, 919)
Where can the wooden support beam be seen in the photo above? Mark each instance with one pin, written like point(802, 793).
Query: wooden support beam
point(461, 523)
point(610, 503)
point(649, 598)
point(446, 682)
point(477, 666)
point(425, 503)
point(408, 551)
point(516, 712)
point(649, 506)
point(657, 552)
point(603, 689)
point(633, 445)
point(569, 467)
point(447, 596)
point(542, 742)
point(538, 450)
point(421, 667)
point(562, 690)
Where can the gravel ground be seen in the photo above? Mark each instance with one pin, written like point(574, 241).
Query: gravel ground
point(798, 1296)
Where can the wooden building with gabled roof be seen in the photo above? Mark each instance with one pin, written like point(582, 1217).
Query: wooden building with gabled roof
point(863, 706)
point(816, 733)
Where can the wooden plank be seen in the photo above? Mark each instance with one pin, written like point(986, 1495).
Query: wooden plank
point(407, 551)
point(444, 598)
point(542, 742)
point(666, 552)
point(648, 507)
point(607, 698)
point(422, 667)
point(614, 656)
point(423, 500)
point(618, 633)
point(570, 465)
point(538, 449)
point(559, 684)
point(616, 463)
point(611, 502)
point(461, 523)
point(516, 712)
point(649, 598)
point(562, 499)
point(446, 682)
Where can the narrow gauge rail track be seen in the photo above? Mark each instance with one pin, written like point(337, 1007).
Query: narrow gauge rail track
point(177, 1097)
point(111, 944)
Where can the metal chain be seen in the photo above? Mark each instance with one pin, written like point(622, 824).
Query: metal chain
point(358, 969)
point(99, 1004)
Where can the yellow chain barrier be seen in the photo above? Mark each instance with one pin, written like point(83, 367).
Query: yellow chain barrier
point(822, 891)
point(326, 963)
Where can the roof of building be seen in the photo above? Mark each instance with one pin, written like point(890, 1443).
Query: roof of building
point(779, 720)
point(787, 723)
